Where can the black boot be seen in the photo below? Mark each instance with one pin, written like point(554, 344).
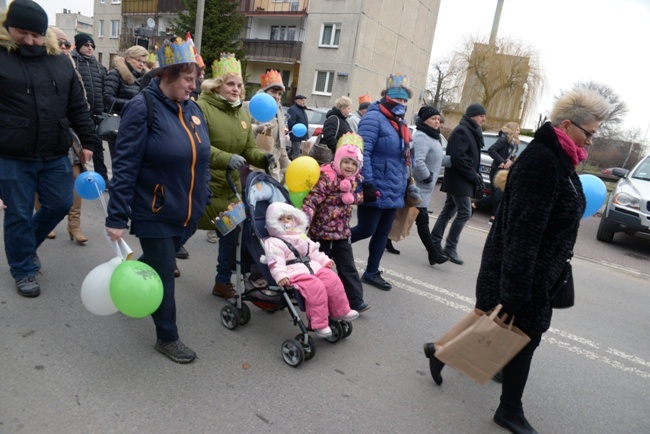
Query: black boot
point(390, 248)
point(514, 422)
point(435, 365)
point(453, 256)
point(436, 257)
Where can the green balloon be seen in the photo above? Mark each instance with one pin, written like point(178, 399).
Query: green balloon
point(297, 198)
point(136, 289)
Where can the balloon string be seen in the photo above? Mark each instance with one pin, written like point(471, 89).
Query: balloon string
point(101, 199)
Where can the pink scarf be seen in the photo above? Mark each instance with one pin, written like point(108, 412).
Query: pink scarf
point(575, 153)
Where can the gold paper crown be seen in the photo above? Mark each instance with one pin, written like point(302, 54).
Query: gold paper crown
point(397, 80)
point(350, 139)
point(228, 64)
point(172, 53)
point(271, 78)
point(365, 98)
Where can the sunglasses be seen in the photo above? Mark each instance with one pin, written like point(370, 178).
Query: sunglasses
point(65, 44)
point(89, 44)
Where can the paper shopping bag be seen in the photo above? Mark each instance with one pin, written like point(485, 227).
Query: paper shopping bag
point(480, 345)
point(404, 219)
point(265, 140)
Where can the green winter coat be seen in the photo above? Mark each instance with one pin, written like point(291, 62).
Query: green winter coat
point(230, 133)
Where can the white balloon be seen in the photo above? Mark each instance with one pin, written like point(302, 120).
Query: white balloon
point(95, 289)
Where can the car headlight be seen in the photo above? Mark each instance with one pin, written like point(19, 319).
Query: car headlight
point(626, 200)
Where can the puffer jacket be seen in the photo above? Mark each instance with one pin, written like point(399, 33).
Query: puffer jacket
point(334, 127)
point(160, 175)
point(93, 75)
point(384, 164)
point(41, 97)
point(329, 216)
point(122, 84)
point(231, 132)
point(534, 233)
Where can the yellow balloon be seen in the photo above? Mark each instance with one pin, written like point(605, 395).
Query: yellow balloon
point(302, 174)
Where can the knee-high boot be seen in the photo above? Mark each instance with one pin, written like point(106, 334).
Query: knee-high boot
point(74, 221)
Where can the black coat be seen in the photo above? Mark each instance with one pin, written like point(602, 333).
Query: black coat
point(464, 149)
point(296, 115)
point(535, 230)
point(334, 127)
point(41, 97)
point(93, 75)
point(121, 85)
point(500, 151)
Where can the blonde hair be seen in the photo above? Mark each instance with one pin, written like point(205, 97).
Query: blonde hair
point(510, 130)
point(343, 102)
point(213, 84)
point(581, 106)
point(135, 52)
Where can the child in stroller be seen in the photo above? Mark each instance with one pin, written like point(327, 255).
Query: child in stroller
point(294, 259)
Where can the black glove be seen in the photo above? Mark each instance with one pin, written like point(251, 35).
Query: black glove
point(479, 179)
point(428, 179)
point(479, 187)
point(270, 161)
point(236, 161)
point(369, 193)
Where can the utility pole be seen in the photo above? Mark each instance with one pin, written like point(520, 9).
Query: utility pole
point(198, 26)
point(495, 23)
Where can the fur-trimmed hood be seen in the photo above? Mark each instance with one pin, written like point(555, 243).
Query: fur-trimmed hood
point(126, 73)
point(6, 42)
point(277, 210)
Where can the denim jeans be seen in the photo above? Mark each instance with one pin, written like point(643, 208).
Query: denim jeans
point(375, 223)
point(25, 230)
point(453, 203)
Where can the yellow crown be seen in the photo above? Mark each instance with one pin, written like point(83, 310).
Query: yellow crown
point(228, 64)
point(271, 78)
point(350, 139)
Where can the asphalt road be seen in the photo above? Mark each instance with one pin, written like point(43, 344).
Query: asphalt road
point(65, 370)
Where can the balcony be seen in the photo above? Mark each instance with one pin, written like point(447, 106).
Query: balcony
point(264, 50)
point(274, 7)
point(151, 7)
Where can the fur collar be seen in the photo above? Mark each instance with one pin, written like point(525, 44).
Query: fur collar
point(6, 42)
point(124, 70)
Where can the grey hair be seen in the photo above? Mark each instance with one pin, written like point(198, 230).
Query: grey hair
point(581, 106)
point(343, 102)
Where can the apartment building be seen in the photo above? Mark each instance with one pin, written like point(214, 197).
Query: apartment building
point(73, 23)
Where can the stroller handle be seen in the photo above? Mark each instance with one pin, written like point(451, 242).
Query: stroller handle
point(231, 183)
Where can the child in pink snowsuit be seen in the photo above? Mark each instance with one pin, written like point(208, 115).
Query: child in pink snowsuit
point(294, 259)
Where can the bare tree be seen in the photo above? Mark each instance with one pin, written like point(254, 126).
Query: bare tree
point(441, 83)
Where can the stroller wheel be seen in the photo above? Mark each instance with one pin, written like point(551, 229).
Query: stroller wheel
point(309, 347)
point(347, 328)
point(230, 317)
point(292, 353)
point(337, 332)
point(244, 314)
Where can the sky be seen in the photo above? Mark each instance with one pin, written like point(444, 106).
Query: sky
point(577, 40)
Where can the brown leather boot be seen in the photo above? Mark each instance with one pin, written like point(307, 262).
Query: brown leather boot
point(224, 290)
point(74, 221)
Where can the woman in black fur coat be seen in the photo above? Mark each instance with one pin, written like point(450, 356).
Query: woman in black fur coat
point(533, 236)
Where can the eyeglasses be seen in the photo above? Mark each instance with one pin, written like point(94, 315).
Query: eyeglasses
point(65, 44)
point(587, 133)
point(89, 44)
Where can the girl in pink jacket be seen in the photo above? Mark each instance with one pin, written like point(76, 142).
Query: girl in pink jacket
point(294, 259)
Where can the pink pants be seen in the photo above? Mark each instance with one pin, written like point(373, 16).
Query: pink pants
point(324, 295)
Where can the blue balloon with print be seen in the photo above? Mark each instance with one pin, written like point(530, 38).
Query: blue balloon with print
point(89, 185)
point(595, 192)
point(299, 130)
point(263, 107)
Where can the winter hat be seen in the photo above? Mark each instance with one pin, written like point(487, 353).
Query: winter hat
point(27, 15)
point(277, 210)
point(364, 106)
point(80, 39)
point(397, 86)
point(348, 151)
point(475, 109)
point(271, 79)
point(426, 112)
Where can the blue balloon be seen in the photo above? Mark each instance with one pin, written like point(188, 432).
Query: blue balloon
point(595, 192)
point(263, 107)
point(299, 130)
point(89, 185)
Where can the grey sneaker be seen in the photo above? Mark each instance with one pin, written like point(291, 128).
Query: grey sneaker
point(176, 351)
point(28, 287)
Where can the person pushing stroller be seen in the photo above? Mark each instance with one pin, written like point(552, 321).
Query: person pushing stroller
point(294, 259)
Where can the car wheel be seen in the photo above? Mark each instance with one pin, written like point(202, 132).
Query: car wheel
point(604, 234)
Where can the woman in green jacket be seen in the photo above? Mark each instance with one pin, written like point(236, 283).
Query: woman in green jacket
point(233, 145)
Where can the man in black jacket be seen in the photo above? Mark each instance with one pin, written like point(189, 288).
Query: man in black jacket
point(297, 115)
point(93, 75)
point(41, 97)
point(461, 180)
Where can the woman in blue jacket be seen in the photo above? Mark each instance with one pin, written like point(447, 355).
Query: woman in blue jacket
point(160, 180)
point(385, 171)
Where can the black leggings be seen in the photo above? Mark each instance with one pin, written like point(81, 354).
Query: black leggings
point(515, 375)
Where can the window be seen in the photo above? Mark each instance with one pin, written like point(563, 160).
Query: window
point(116, 2)
point(283, 33)
point(324, 82)
point(330, 34)
point(100, 30)
point(115, 28)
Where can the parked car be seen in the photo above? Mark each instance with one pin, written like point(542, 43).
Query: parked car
point(316, 118)
point(628, 207)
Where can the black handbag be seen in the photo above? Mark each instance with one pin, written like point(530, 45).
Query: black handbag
point(563, 292)
point(108, 127)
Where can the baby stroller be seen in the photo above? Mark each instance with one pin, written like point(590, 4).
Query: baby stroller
point(258, 286)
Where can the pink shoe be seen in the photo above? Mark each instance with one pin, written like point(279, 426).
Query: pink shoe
point(350, 316)
point(323, 333)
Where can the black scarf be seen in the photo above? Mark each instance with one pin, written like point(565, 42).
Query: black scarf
point(426, 129)
point(475, 129)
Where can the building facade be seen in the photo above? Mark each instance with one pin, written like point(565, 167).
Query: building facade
point(72, 23)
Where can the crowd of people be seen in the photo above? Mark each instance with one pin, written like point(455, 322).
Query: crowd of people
point(183, 141)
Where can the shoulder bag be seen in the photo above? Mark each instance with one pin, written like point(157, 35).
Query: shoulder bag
point(109, 126)
point(563, 292)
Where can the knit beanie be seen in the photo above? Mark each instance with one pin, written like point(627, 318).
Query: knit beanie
point(27, 15)
point(426, 112)
point(475, 109)
point(80, 39)
point(364, 106)
point(348, 151)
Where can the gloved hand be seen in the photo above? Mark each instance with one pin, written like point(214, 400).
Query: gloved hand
point(479, 179)
point(428, 179)
point(236, 161)
point(414, 193)
point(369, 193)
point(270, 161)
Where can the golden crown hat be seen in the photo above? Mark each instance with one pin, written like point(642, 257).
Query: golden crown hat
point(365, 98)
point(350, 139)
point(227, 64)
point(270, 79)
point(397, 80)
point(172, 53)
